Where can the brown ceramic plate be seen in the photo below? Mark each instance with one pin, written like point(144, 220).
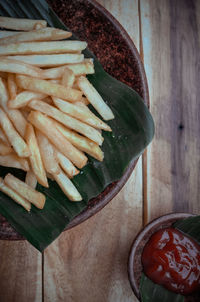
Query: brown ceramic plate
point(119, 57)
point(134, 263)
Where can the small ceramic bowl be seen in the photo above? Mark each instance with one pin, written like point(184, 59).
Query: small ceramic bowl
point(134, 263)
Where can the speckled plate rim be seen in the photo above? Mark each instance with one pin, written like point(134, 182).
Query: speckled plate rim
point(112, 189)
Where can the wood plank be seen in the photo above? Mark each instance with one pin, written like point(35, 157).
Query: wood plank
point(170, 34)
point(126, 12)
point(89, 262)
point(21, 272)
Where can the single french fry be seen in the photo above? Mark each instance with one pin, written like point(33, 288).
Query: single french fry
point(82, 113)
point(35, 157)
point(14, 115)
point(3, 94)
point(82, 143)
point(3, 138)
point(14, 161)
point(67, 120)
point(8, 33)
point(17, 198)
point(14, 138)
point(4, 149)
point(86, 67)
point(67, 186)
point(18, 120)
point(48, 154)
point(66, 165)
point(42, 47)
point(46, 126)
point(20, 24)
point(23, 98)
point(30, 179)
point(46, 87)
point(12, 86)
point(44, 34)
point(68, 77)
point(14, 66)
point(24, 190)
point(95, 99)
point(49, 60)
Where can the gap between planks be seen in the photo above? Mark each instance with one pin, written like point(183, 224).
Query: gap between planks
point(145, 217)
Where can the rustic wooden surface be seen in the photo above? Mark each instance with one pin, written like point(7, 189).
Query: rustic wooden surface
point(88, 263)
point(20, 272)
point(170, 35)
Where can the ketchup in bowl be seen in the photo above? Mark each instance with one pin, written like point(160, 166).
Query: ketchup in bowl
point(172, 260)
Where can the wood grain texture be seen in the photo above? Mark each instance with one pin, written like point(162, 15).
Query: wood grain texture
point(20, 272)
point(126, 12)
point(89, 262)
point(170, 33)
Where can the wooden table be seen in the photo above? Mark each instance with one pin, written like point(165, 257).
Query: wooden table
point(89, 262)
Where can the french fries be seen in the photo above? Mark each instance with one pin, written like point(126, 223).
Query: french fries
point(18, 120)
point(66, 165)
point(14, 161)
point(12, 87)
point(30, 179)
point(42, 47)
point(49, 88)
point(83, 143)
point(4, 149)
point(15, 116)
point(67, 120)
point(21, 24)
point(14, 138)
point(35, 157)
point(14, 66)
point(17, 198)
point(3, 138)
point(48, 154)
point(45, 125)
point(7, 33)
point(86, 67)
point(49, 60)
point(43, 34)
point(68, 77)
point(23, 98)
point(24, 190)
point(82, 113)
point(67, 186)
point(95, 99)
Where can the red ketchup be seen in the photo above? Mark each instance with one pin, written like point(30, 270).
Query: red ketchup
point(172, 259)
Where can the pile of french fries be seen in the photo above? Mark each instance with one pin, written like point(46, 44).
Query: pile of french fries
point(46, 127)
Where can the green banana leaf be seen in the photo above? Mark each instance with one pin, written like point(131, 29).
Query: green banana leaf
point(133, 130)
point(151, 292)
